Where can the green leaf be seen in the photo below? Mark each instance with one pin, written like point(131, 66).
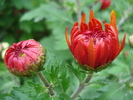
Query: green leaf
point(21, 96)
point(65, 97)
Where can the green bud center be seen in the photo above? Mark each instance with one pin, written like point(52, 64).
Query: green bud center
point(22, 55)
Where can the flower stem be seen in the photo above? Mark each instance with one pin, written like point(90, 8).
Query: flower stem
point(124, 17)
point(46, 83)
point(78, 12)
point(82, 85)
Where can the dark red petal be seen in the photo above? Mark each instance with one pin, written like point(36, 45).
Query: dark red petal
point(78, 34)
point(110, 30)
point(98, 52)
point(74, 30)
point(112, 51)
point(75, 40)
point(105, 53)
point(97, 24)
point(115, 46)
point(83, 27)
point(79, 52)
point(91, 26)
point(75, 24)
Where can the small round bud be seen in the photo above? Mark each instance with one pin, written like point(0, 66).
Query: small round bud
point(131, 40)
point(25, 58)
point(104, 4)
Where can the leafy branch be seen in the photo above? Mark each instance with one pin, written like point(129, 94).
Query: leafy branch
point(81, 86)
point(46, 83)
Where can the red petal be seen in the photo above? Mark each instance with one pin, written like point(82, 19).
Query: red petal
point(110, 30)
point(74, 29)
point(83, 27)
point(123, 42)
point(75, 39)
point(91, 57)
point(79, 52)
point(98, 52)
point(97, 24)
point(17, 64)
point(91, 26)
point(121, 46)
point(75, 24)
point(105, 53)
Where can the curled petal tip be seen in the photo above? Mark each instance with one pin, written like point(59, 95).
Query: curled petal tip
point(83, 18)
point(113, 20)
point(66, 35)
point(112, 17)
point(112, 11)
point(91, 15)
point(123, 42)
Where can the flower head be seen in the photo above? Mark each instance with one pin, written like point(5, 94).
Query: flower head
point(25, 58)
point(93, 47)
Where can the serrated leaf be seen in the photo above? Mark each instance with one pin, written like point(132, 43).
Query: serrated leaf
point(21, 96)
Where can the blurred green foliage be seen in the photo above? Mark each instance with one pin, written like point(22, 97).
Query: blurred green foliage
point(45, 21)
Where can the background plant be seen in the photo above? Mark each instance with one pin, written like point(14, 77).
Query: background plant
point(45, 21)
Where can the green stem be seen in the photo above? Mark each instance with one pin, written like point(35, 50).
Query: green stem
point(81, 86)
point(78, 12)
point(46, 83)
point(124, 17)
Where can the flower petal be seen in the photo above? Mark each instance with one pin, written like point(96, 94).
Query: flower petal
point(66, 35)
point(91, 15)
point(83, 17)
point(98, 52)
point(91, 57)
point(113, 21)
point(96, 24)
point(75, 24)
point(78, 52)
point(105, 53)
point(123, 42)
point(121, 46)
point(83, 27)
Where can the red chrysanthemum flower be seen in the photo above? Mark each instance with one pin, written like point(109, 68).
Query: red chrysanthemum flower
point(93, 47)
point(25, 58)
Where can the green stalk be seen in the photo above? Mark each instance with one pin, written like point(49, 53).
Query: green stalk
point(46, 83)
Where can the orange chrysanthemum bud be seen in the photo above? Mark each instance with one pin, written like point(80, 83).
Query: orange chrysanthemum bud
point(25, 58)
point(93, 47)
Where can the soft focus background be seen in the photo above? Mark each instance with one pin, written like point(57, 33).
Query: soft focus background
point(45, 21)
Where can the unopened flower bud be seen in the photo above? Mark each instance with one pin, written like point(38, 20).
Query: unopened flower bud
point(104, 4)
point(25, 58)
point(131, 40)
